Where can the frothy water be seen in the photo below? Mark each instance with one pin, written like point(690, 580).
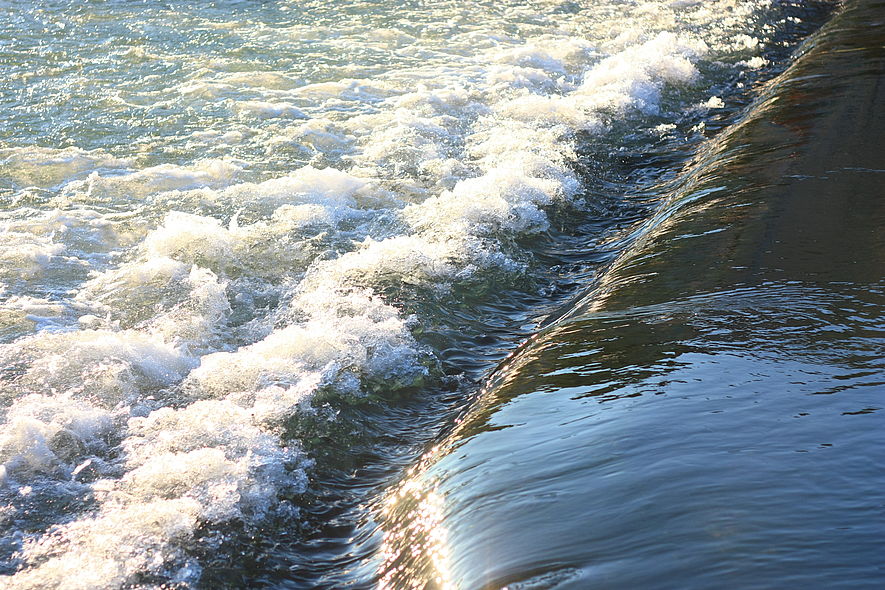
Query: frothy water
point(213, 215)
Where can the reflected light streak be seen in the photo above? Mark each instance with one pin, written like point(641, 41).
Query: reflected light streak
point(415, 551)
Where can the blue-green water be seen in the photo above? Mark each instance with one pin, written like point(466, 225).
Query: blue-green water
point(254, 258)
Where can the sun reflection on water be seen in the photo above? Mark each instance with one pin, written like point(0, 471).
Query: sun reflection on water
point(415, 550)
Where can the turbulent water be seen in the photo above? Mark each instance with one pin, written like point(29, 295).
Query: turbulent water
point(225, 225)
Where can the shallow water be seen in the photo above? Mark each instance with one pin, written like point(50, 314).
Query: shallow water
point(256, 257)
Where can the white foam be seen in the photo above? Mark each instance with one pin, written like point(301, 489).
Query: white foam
point(212, 173)
point(269, 80)
point(754, 63)
point(26, 255)
point(190, 238)
point(177, 302)
point(207, 462)
point(335, 191)
point(23, 314)
point(51, 435)
point(269, 110)
point(54, 245)
point(146, 538)
point(634, 78)
point(46, 167)
point(346, 338)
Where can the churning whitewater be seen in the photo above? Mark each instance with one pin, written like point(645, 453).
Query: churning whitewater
point(212, 215)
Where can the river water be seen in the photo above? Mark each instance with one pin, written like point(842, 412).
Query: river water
point(259, 259)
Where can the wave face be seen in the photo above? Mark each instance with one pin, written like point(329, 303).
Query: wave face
point(220, 220)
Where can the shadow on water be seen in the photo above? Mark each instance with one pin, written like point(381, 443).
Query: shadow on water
point(713, 411)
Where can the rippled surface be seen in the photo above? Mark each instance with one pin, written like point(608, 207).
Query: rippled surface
point(712, 412)
point(252, 256)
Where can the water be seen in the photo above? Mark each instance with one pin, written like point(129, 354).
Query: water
point(711, 412)
point(255, 257)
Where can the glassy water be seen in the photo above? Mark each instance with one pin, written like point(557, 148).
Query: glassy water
point(254, 256)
